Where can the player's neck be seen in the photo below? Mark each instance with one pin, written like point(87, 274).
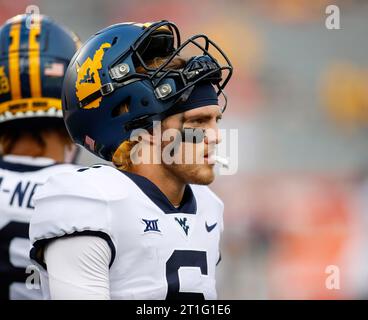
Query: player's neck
point(28, 146)
point(169, 185)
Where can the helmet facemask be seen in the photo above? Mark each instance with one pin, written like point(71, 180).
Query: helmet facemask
point(207, 61)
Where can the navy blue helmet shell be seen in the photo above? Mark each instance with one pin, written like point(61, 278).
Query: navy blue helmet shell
point(106, 73)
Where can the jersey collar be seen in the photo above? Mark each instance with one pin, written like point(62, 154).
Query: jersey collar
point(187, 205)
point(25, 163)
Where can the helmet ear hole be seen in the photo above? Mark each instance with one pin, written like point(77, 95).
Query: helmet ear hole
point(120, 109)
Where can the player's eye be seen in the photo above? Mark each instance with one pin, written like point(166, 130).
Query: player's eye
point(198, 121)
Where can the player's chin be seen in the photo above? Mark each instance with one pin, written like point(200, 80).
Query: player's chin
point(203, 174)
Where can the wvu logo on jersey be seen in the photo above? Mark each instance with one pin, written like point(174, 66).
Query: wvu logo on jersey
point(183, 223)
point(4, 81)
point(88, 79)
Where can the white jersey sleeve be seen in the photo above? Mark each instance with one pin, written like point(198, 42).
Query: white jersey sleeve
point(78, 268)
point(68, 205)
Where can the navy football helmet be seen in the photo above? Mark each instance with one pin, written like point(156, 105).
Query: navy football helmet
point(34, 55)
point(111, 70)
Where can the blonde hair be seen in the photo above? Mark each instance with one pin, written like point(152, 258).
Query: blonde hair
point(121, 157)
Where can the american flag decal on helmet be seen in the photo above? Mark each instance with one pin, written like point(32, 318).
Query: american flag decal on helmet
point(55, 69)
point(89, 142)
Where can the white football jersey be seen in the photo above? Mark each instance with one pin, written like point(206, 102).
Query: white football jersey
point(158, 251)
point(20, 177)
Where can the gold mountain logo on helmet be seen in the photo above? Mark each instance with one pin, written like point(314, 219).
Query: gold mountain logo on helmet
point(88, 79)
point(4, 81)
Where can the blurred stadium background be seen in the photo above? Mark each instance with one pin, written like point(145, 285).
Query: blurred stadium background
point(299, 98)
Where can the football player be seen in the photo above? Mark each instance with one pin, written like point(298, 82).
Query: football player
point(34, 55)
point(142, 230)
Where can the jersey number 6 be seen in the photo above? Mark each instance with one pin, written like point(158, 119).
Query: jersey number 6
point(183, 258)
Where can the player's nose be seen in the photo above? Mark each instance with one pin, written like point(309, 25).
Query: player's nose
point(213, 134)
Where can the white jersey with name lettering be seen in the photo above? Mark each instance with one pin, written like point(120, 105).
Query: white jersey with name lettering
point(158, 251)
point(20, 177)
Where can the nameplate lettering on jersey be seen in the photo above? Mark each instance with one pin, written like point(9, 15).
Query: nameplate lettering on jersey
point(20, 194)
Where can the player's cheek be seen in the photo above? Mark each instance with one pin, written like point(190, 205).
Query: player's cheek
point(187, 153)
point(198, 153)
